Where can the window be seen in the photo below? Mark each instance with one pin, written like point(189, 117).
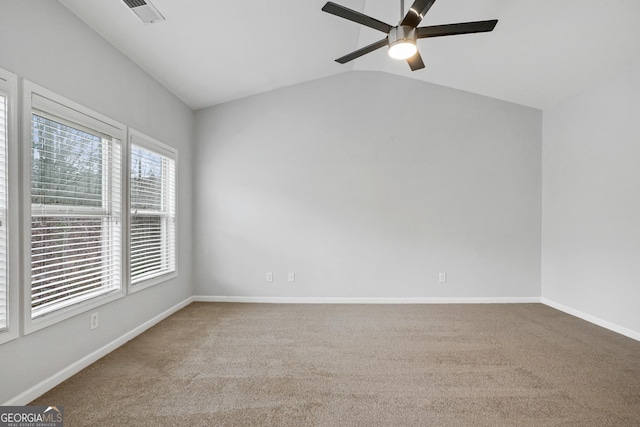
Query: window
point(152, 238)
point(8, 293)
point(75, 227)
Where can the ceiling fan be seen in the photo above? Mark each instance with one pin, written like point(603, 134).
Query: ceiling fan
point(401, 39)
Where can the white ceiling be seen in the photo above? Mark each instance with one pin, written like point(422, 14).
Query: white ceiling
point(209, 51)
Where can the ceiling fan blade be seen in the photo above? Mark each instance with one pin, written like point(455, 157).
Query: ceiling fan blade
point(415, 62)
point(362, 51)
point(416, 12)
point(453, 29)
point(352, 15)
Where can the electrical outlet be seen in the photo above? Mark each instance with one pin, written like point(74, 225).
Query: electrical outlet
point(94, 320)
point(292, 277)
point(269, 277)
point(442, 277)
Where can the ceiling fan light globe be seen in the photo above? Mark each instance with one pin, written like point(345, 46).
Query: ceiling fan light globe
point(402, 49)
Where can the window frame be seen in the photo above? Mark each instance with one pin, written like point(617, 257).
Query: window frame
point(9, 88)
point(58, 106)
point(146, 142)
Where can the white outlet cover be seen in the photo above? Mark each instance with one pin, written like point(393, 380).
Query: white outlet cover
point(94, 321)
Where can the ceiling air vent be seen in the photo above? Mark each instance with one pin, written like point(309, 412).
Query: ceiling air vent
point(145, 11)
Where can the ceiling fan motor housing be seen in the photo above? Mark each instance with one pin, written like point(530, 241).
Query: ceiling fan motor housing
point(402, 34)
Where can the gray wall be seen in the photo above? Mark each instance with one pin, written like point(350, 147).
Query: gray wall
point(591, 202)
point(42, 41)
point(368, 185)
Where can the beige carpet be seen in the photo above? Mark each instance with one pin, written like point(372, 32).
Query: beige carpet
point(218, 364)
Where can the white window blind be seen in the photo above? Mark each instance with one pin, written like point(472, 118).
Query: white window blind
point(3, 213)
point(152, 223)
point(75, 213)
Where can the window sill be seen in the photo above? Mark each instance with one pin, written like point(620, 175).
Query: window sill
point(33, 325)
point(8, 335)
point(152, 281)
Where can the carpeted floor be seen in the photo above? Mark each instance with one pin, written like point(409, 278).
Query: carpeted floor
point(218, 364)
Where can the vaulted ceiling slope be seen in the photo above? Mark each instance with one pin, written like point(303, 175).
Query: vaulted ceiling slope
point(209, 52)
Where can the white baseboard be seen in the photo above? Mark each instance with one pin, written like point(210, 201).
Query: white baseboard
point(593, 319)
point(340, 300)
point(66, 373)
